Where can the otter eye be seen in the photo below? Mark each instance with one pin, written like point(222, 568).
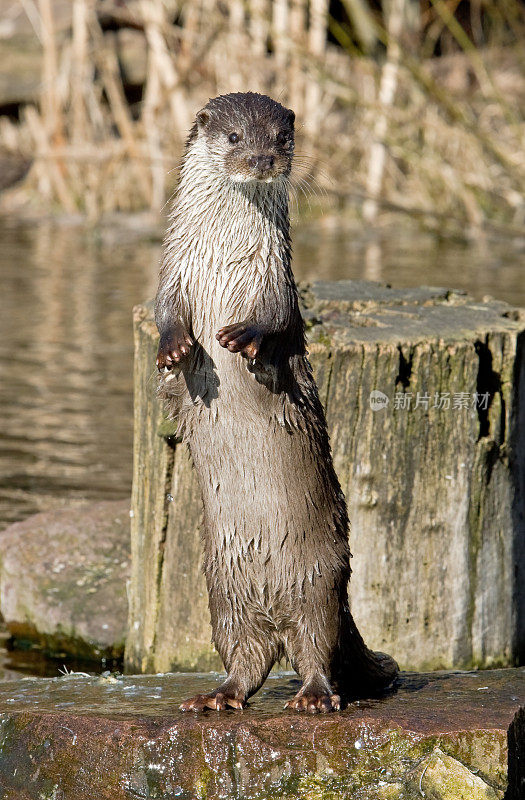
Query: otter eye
point(233, 138)
point(281, 137)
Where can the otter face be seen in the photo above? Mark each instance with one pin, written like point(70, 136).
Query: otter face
point(248, 136)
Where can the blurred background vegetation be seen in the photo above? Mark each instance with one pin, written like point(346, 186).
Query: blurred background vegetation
point(405, 106)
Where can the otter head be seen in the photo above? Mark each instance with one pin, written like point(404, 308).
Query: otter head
point(248, 137)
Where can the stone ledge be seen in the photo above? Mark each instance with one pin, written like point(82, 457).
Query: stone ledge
point(440, 735)
point(63, 579)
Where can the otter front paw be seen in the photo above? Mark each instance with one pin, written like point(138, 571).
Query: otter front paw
point(241, 337)
point(314, 702)
point(174, 346)
point(217, 700)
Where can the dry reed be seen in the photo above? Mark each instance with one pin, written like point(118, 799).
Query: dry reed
point(390, 131)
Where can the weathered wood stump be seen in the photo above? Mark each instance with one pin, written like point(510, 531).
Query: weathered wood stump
point(445, 736)
point(424, 391)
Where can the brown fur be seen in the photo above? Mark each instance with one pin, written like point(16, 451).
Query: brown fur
point(236, 375)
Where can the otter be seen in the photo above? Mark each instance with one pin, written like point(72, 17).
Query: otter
point(235, 373)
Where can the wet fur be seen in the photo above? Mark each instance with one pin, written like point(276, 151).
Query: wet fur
point(275, 519)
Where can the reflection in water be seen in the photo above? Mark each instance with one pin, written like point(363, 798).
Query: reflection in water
point(66, 339)
point(66, 361)
point(15, 663)
point(407, 257)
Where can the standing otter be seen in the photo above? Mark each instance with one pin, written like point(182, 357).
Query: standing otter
point(234, 371)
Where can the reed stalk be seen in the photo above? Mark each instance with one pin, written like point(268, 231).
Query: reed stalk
point(377, 120)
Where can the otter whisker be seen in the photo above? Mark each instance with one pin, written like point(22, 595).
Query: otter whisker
point(313, 164)
point(311, 173)
point(316, 187)
point(294, 201)
point(305, 194)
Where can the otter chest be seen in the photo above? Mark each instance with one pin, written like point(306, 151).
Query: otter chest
point(225, 283)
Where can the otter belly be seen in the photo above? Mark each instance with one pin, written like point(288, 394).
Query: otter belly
point(268, 497)
point(274, 516)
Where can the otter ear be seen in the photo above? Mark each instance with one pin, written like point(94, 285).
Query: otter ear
point(203, 118)
point(291, 116)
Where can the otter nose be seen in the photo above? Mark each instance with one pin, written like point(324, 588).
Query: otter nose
point(261, 163)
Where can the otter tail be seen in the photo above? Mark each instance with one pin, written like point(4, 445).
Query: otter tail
point(361, 672)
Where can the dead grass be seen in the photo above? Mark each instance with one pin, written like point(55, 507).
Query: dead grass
point(440, 138)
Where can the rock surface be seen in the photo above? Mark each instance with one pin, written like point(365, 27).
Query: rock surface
point(63, 579)
point(441, 736)
point(424, 392)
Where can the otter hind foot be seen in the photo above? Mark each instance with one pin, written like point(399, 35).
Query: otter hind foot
point(217, 700)
point(314, 702)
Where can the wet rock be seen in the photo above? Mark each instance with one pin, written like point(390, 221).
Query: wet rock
point(446, 777)
point(63, 579)
point(441, 736)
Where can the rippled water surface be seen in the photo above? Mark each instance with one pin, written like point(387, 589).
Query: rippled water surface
point(66, 338)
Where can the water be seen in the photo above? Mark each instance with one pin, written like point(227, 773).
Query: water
point(66, 365)
point(66, 339)
point(31, 661)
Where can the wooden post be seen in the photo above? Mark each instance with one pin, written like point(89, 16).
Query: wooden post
point(424, 391)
